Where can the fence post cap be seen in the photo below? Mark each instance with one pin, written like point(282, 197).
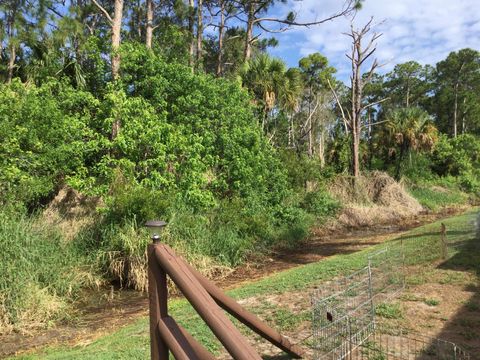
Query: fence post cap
point(155, 228)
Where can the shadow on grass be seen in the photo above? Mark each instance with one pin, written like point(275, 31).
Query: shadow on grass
point(464, 327)
point(277, 357)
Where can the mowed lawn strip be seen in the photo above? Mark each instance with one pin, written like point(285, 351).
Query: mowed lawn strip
point(132, 342)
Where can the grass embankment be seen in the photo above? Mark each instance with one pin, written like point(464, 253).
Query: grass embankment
point(132, 342)
point(435, 198)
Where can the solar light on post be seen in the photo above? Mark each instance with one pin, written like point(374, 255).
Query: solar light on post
point(157, 291)
point(155, 227)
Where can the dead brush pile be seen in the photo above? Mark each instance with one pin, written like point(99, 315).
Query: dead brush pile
point(377, 199)
point(71, 211)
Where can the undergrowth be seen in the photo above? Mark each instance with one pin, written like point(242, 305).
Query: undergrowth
point(40, 274)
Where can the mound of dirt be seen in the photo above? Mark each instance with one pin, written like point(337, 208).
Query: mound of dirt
point(70, 211)
point(377, 199)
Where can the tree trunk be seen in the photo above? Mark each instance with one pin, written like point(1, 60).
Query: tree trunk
point(139, 21)
point(149, 29)
point(199, 32)
point(321, 149)
point(221, 29)
point(247, 54)
point(455, 111)
point(355, 155)
point(309, 125)
point(116, 38)
point(191, 22)
point(11, 46)
point(356, 114)
point(399, 162)
point(1, 42)
point(11, 63)
point(408, 92)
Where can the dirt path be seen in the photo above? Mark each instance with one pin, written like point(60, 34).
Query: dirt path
point(106, 313)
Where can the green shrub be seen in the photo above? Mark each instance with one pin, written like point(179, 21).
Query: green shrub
point(44, 138)
point(389, 311)
point(321, 204)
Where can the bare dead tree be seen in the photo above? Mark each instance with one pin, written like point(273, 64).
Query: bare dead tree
point(352, 119)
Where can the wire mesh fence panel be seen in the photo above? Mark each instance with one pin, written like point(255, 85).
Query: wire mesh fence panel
point(343, 315)
point(395, 345)
point(387, 272)
point(344, 324)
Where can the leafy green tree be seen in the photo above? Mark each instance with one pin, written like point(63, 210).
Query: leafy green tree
point(457, 93)
point(409, 84)
point(264, 76)
point(316, 74)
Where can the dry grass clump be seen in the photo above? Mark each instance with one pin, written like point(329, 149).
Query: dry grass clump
point(376, 199)
point(132, 270)
point(128, 264)
point(71, 211)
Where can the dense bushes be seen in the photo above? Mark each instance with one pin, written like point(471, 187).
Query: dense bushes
point(459, 157)
point(44, 136)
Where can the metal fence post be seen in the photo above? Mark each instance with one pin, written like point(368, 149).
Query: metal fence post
point(443, 241)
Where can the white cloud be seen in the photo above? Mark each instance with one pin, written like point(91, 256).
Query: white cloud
point(421, 30)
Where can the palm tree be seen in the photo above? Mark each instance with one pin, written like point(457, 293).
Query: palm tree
point(265, 77)
point(289, 96)
point(275, 89)
point(410, 129)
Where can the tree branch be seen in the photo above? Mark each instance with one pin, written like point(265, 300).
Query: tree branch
point(375, 103)
point(105, 12)
point(344, 118)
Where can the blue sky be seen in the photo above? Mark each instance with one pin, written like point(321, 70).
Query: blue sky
point(422, 30)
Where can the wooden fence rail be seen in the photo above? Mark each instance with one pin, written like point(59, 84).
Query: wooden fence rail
point(208, 300)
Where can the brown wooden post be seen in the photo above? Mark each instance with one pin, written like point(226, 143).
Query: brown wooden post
point(443, 241)
point(157, 294)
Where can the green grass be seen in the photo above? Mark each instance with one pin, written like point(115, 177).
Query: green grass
point(132, 342)
point(435, 199)
point(39, 274)
point(431, 302)
point(389, 311)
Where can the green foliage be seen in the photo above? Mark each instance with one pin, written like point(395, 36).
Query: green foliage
point(321, 204)
point(459, 157)
point(432, 302)
point(44, 138)
point(437, 198)
point(409, 130)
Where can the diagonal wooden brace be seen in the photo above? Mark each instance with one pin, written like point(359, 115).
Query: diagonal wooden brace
point(204, 304)
point(246, 317)
point(182, 345)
